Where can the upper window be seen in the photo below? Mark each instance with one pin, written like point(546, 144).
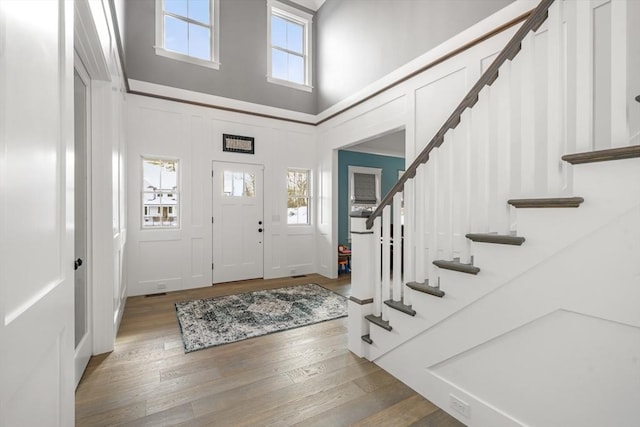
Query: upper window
point(187, 30)
point(298, 200)
point(289, 45)
point(160, 193)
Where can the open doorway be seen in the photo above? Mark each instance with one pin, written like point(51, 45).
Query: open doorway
point(383, 156)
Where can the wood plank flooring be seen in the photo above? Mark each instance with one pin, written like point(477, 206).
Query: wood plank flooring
point(300, 377)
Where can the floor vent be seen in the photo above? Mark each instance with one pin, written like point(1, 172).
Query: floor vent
point(155, 295)
point(298, 276)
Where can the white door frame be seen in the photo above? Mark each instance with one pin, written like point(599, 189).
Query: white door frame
point(88, 48)
point(86, 345)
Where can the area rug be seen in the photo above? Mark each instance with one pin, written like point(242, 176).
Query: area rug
point(213, 321)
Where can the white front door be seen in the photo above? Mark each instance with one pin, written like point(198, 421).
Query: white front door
point(36, 213)
point(238, 225)
point(82, 292)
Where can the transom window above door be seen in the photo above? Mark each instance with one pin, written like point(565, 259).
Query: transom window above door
point(289, 46)
point(187, 30)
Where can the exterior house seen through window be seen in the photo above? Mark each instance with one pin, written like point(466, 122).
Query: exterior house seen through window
point(186, 30)
point(160, 193)
point(289, 46)
point(298, 200)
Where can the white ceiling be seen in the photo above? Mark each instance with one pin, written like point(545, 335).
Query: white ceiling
point(386, 145)
point(310, 4)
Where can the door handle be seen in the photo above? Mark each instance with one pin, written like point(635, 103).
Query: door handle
point(77, 263)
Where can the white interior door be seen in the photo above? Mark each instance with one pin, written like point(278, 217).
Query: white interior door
point(238, 225)
point(36, 213)
point(82, 291)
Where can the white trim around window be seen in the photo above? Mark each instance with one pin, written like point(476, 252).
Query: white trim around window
point(214, 8)
point(299, 203)
point(288, 13)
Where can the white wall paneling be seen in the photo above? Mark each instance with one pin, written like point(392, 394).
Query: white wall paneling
point(173, 259)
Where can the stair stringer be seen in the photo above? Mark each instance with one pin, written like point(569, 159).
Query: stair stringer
point(605, 187)
point(608, 256)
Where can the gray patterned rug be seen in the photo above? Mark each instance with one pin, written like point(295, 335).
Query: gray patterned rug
point(222, 320)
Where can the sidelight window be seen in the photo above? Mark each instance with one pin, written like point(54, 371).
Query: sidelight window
point(298, 199)
point(160, 193)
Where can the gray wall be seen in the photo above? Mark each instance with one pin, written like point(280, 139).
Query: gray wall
point(356, 42)
point(360, 41)
point(242, 75)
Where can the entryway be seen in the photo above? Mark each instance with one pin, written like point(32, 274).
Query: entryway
point(238, 223)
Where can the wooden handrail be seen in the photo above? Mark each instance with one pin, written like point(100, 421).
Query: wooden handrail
point(535, 20)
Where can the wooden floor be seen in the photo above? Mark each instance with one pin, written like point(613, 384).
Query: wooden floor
point(304, 376)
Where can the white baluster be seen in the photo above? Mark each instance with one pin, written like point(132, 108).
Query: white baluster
point(503, 151)
point(515, 135)
point(397, 248)
point(541, 83)
point(583, 75)
point(386, 258)
point(421, 218)
point(495, 120)
point(377, 262)
point(456, 149)
point(572, 80)
point(445, 204)
point(431, 215)
point(528, 129)
point(409, 238)
point(479, 165)
point(463, 195)
point(619, 90)
point(556, 136)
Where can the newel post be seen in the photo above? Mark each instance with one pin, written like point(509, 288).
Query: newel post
point(362, 268)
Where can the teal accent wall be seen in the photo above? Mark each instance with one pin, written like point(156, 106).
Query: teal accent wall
point(390, 167)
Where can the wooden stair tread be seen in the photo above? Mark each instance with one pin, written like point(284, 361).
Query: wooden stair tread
point(456, 265)
point(603, 155)
point(398, 305)
point(502, 239)
point(425, 288)
point(377, 320)
point(367, 339)
point(550, 202)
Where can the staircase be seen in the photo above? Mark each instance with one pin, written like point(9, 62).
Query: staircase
point(520, 286)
